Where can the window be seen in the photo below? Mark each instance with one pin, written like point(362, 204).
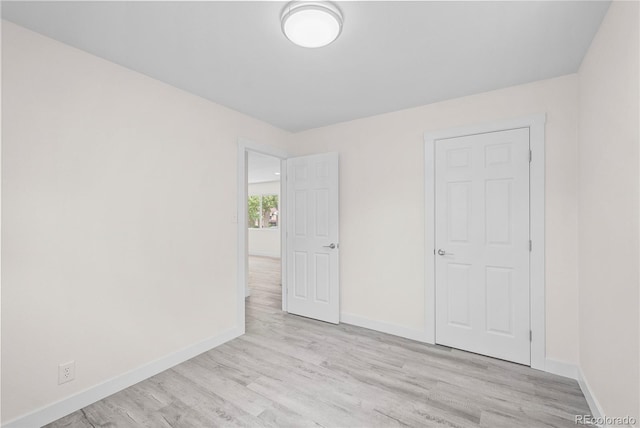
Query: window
point(264, 212)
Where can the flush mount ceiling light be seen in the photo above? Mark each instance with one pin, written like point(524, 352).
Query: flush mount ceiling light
point(311, 24)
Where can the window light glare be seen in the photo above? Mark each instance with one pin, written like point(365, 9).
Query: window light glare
point(311, 24)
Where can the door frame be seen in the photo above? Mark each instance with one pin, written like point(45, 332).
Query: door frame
point(536, 124)
point(244, 147)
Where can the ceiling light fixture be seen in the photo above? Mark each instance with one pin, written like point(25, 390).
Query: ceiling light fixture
point(311, 24)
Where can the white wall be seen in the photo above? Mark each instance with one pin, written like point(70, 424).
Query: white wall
point(608, 233)
point(118, 242)
point(382, 203)
point(264, 242)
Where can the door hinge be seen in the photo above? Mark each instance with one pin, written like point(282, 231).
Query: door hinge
point(530, 245)
point(530, 156)
point(530, 336)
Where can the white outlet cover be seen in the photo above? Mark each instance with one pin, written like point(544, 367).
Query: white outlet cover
point(66, 372)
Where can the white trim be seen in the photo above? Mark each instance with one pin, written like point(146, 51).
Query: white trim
point(429, 239)
point(561, 368)
point(283, 231)
point(574, 371)
point(537, 233)
point(594, 405)
point(59, 409)
point(244, 146)
point(383, 327)
point(535, 123)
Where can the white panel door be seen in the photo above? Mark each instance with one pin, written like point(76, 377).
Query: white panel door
point(312, 237)
point(482, 244)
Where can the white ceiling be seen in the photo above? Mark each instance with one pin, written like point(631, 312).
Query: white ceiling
point(391, 55)
point(262, 168)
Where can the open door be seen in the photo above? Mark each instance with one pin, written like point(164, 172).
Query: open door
point(313, 288)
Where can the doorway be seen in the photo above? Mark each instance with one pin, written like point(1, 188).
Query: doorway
point(304, 214)
point(264, 260)
point(267, 203)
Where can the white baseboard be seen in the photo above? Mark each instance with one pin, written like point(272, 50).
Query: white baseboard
point(561, 368)
point(82, 399)
point(383, 327)
point(575, 372)
point(594, 405)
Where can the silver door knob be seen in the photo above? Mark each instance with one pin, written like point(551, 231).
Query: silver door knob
point(442, 252)
point(332, 246)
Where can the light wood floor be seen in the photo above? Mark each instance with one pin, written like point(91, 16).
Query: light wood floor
point(289, 371)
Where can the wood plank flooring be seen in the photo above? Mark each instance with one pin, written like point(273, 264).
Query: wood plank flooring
point(289, 371)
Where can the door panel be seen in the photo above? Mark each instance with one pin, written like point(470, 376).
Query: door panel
point(482, 234)
point(313, 276)
point(459, 211)
point(499, 300)
point(459, 310)
point(300, 274)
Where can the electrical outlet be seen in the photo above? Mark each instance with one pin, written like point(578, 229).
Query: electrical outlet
point(66, 372)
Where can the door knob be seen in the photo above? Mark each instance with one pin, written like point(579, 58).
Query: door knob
point(442, 252)
point(332, 246)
